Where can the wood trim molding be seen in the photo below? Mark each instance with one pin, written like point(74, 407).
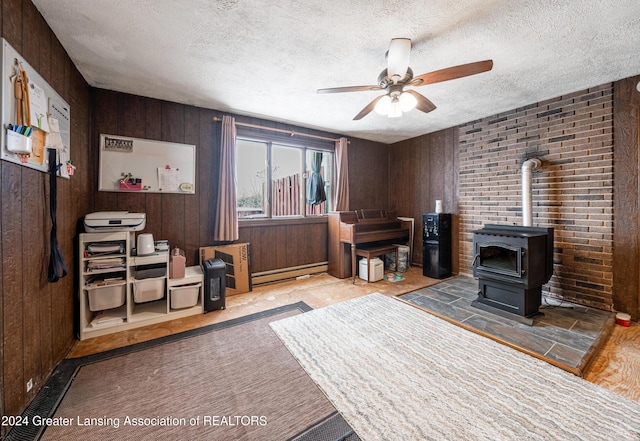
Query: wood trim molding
point(272, 222)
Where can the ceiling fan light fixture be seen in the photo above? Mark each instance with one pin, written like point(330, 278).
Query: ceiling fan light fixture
point(383, 105)
point(395, 109)
point(398, 58)
point(399, 75)
point(408, 102)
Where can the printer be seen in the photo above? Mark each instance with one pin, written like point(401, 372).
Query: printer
point(114, 221)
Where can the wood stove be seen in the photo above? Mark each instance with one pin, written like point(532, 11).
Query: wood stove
point(511, 264)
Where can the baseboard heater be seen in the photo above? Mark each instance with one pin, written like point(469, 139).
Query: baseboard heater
point(288, 273)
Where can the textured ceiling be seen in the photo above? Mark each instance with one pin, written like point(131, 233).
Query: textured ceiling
point(267, 58)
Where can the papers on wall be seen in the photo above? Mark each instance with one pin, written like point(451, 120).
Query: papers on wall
point(168, 179)
point(40, 101)
point(60, 112)
point(38, 105)
point(53, 139)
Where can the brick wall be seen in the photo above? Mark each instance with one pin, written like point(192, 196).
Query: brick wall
point(573, 191)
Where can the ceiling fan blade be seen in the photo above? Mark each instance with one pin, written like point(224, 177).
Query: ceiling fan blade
point(368, 108)
point(398, 57)
point(424, 104)
point(349, 89)
point(451, 73)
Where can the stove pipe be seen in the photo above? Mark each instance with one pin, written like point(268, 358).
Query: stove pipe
point(527, 167)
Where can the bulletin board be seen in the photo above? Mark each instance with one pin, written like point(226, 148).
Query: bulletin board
point(142, 165)
point(45, 105)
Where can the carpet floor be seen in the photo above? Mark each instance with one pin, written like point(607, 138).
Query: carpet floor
point(395, 372)
point(230, 381)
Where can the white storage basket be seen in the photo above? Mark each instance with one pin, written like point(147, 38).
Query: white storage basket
point(184, 296)
point(106, 296)
point(148, 290)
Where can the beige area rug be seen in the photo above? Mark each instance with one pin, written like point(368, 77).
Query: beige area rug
point(397, 373)
point(231, 381)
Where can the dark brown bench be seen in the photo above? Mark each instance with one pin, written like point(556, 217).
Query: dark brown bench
point(374, 251)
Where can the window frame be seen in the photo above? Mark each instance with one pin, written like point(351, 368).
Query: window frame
point(304, 147)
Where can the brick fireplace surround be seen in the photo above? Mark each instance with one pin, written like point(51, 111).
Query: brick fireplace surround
point(573, 190)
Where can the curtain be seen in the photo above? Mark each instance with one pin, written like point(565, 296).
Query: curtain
point(342, 184)
point(315, 188)
point(226, 220)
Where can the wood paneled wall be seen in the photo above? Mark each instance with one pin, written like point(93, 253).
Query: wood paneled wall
point(37, 317)
point(285, 243)
point(368, 174)
point(423, 170)
point(626, 202)
point(186, 221)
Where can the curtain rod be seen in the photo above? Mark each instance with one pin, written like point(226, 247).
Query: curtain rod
point(290, 132)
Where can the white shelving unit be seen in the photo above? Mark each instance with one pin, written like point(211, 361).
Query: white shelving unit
point(108, 274)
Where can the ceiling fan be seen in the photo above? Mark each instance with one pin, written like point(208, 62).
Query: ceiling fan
point(398, 75)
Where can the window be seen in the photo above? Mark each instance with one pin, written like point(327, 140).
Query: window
point(275, 179)
point(251, 175)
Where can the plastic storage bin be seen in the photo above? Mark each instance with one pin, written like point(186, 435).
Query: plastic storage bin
point(148, 290)
point(184, 296)
point(375, 273)
point(403, 259)
point(18, 143)
point(106, 296)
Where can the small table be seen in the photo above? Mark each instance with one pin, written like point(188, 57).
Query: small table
point(370, 252)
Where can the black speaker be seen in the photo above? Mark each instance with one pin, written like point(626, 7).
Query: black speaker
point(214, 271)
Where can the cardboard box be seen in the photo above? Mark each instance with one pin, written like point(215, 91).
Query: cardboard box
point(237, 260)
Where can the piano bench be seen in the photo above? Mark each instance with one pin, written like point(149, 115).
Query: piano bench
point(371, 252)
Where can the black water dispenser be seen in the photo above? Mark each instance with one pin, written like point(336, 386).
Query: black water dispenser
point(214, 271)
point(436, 245)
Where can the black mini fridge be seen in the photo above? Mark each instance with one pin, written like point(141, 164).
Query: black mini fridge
point(436, 245)
point(214, 271)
